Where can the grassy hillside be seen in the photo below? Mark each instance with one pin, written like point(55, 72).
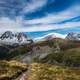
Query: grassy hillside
point(70, 57)
point(64, 44)
point(11, 69)
point(52, 72)
point(9, 52)
point(61, 65)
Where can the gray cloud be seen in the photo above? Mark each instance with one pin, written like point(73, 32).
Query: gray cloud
point(11, 7)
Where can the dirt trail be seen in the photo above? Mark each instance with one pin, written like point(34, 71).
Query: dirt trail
point(24, 76)
point(28, 58)
point(41, 53)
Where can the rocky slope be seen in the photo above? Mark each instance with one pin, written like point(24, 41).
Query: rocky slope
point(74, 36)
point(50, 36)
point(10, 38)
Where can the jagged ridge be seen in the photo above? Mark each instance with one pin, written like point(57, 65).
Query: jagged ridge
point(10, 38)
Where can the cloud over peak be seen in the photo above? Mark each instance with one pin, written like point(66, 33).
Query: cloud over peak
point(39, 15)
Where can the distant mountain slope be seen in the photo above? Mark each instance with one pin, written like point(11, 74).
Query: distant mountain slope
point(42, 71)
point(11, 38)
point(50, 36)
point(74, 36)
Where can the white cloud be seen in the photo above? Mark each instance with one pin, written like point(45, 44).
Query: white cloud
point(51, 27)
point(9, 24)
point(57, 17)
point(19, 22)
point(34, 5)
point(42, 27)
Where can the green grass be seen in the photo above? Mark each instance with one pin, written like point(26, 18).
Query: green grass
point(13, 52)
point(11, 69)
point(52, 72)
point(70, 57)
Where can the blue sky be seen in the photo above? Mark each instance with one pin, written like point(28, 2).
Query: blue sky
point(40, 17)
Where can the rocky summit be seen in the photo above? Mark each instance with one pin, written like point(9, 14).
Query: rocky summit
point(11, 38)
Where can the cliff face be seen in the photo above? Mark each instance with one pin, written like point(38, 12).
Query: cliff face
point(10, 38)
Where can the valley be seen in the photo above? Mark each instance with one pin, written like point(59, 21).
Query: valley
point(39, 39)
point(57, 59)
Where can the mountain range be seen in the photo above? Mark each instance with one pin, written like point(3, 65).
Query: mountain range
point(11, 38)
point(74, 36)
point(15, 38)
point(50, 36)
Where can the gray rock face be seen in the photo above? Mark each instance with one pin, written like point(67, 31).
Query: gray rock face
point(7, 34)
point(11, 38)
point(73, 36)
point(36, 53)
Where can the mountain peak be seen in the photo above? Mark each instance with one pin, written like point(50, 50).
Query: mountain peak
point(50, 36)
point(10, 38)
point(75, 36)
point(7, 34)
